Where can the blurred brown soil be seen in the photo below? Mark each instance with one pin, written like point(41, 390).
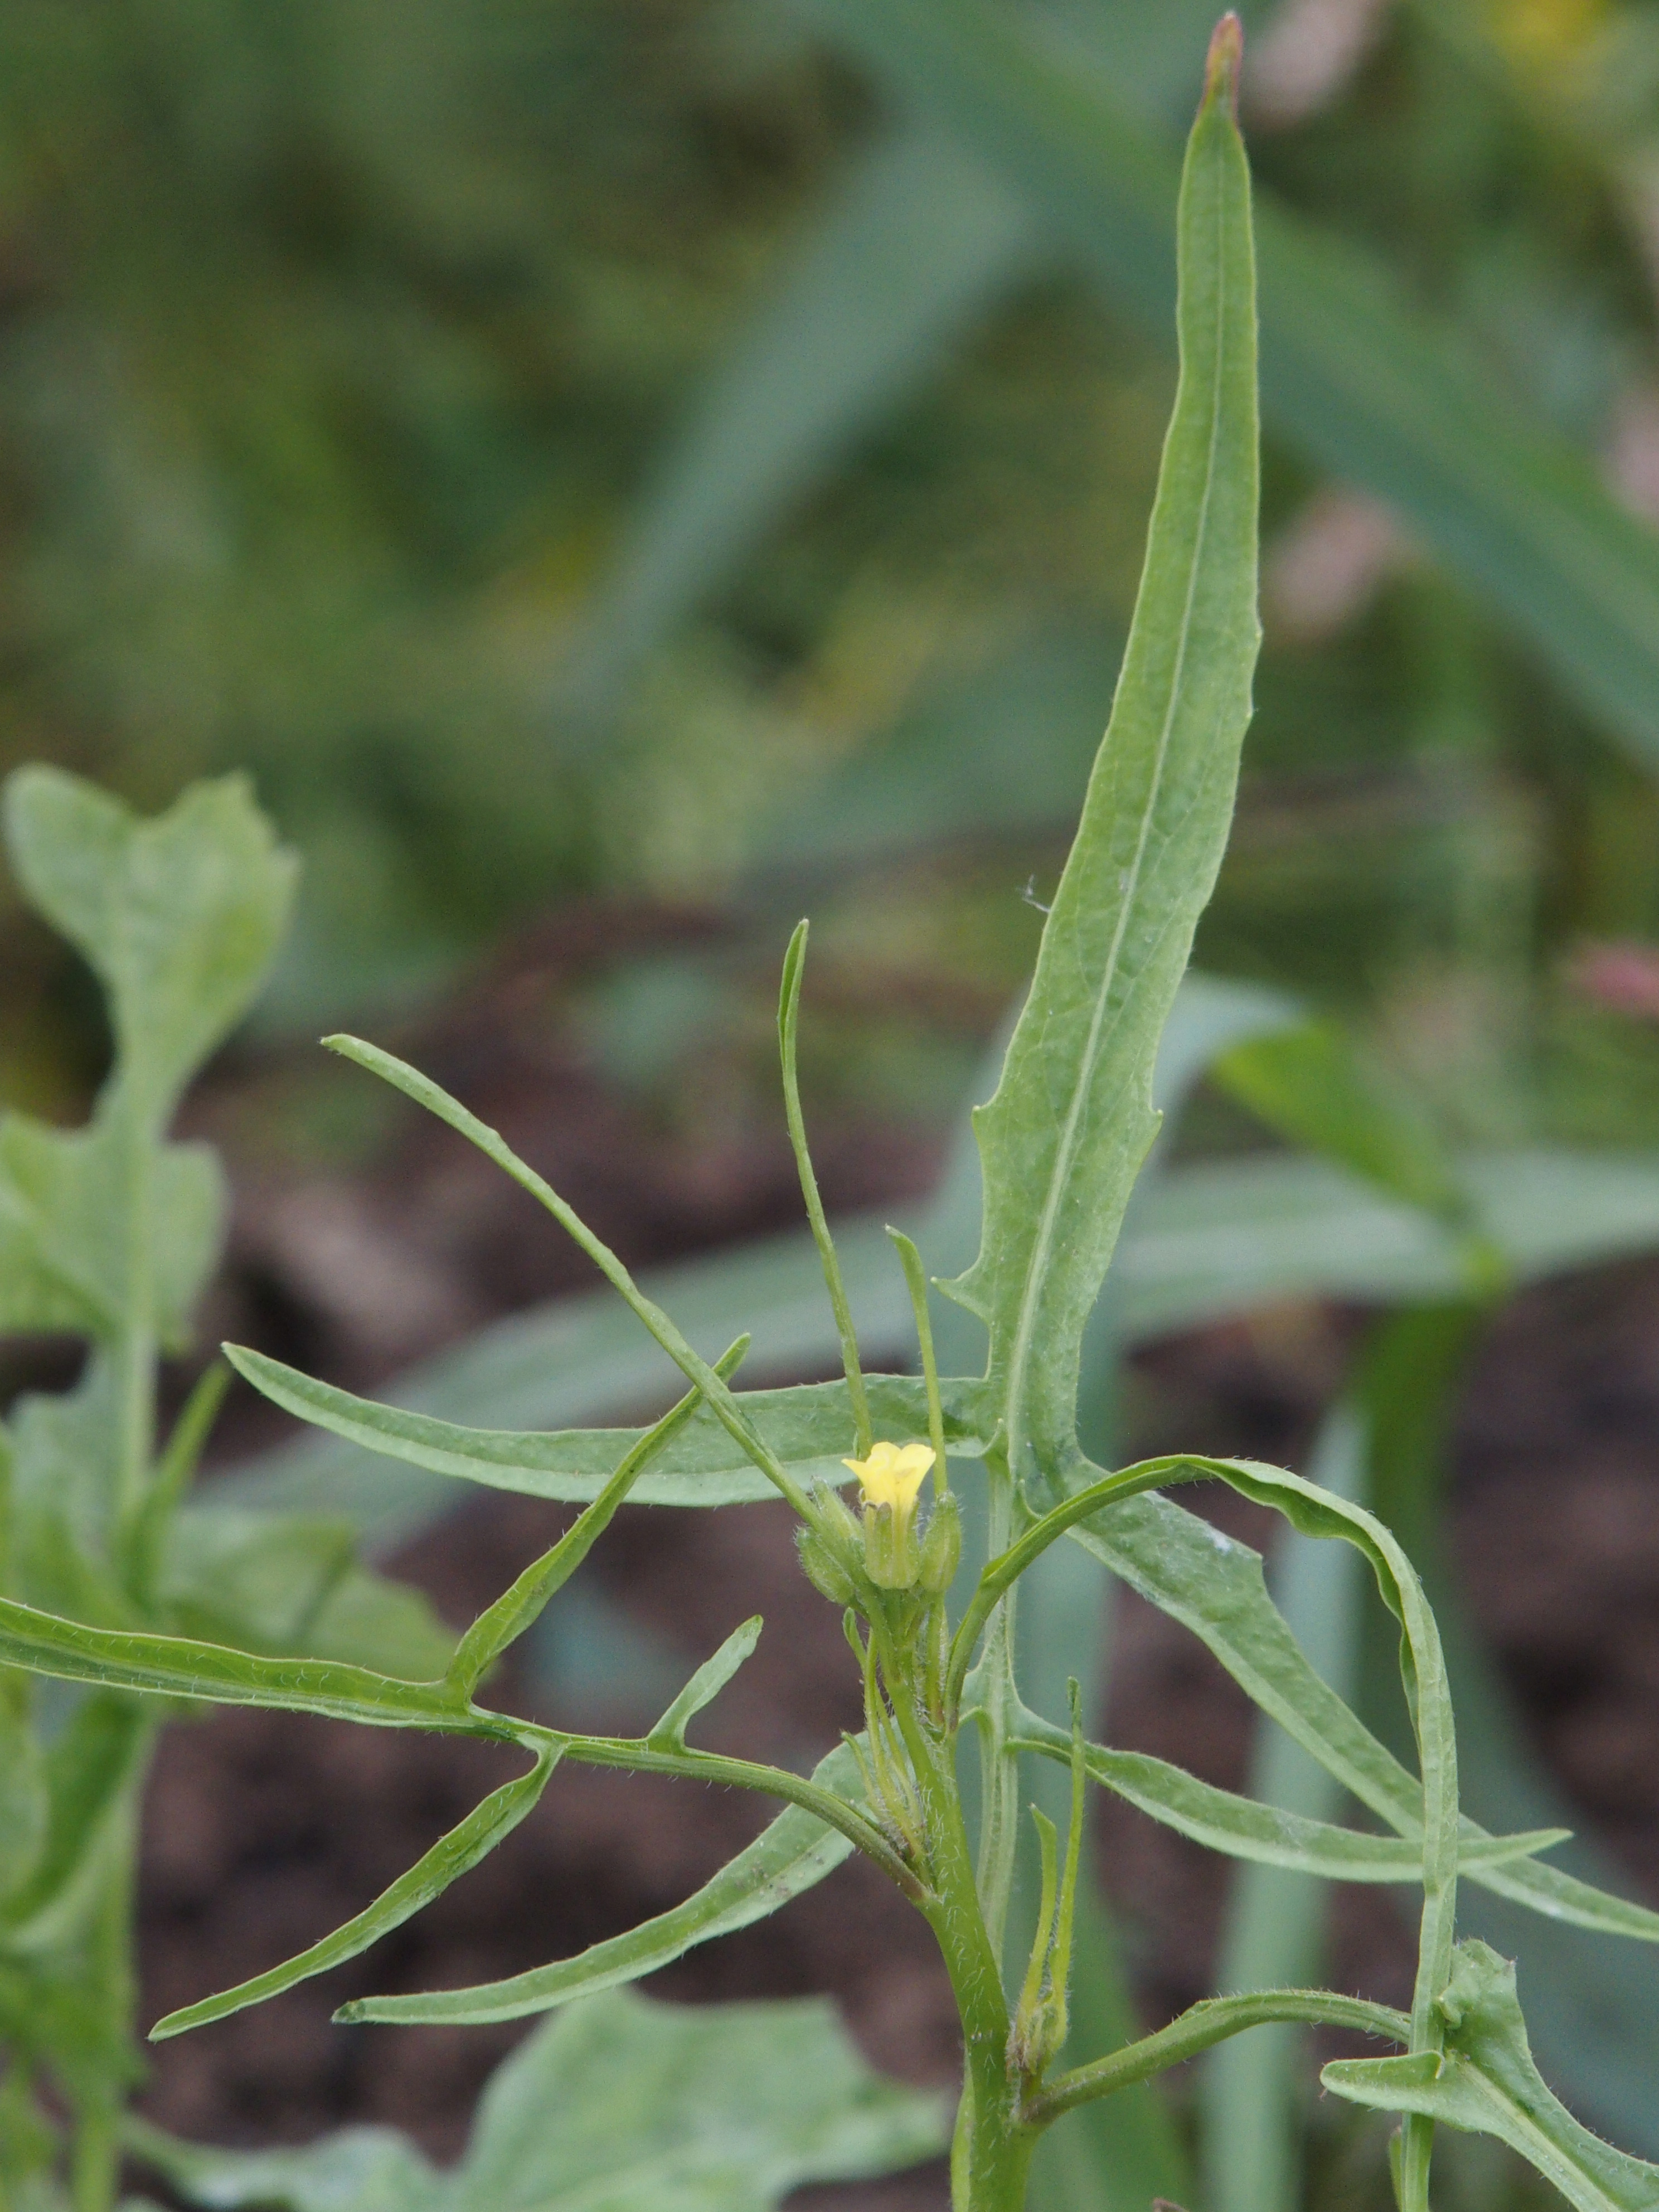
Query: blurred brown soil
point(266, 1830)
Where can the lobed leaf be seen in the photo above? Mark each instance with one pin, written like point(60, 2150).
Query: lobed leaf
point(1064, 1137)
point(179, 916)
point(1214, 1586)
point(1485, 2082)
point(620, 2104)
point(633, 2106)
point(66, 1227)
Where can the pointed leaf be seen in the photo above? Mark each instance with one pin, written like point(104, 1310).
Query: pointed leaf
point(1064, 1137)
point(810, 1428)
point(705, 1685)
point(791, 1854)
point(451, 1856)
point(1354, 374)
point(1245, 1828)
point(180, 1667)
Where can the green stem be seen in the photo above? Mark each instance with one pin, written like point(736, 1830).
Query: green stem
point(794, 968)
point(1210, 2022)
point(634, 1755)
point(989, 2173)
point(96, 2158)
point(999, 1722)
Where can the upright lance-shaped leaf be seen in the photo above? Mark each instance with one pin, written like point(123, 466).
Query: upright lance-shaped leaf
point(1064, 1137)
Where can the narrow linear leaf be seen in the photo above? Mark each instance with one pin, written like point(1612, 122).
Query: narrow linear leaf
point(1354, 374)
point(180, 1667)
point(809, 1428)
point(451, 1856)
point(1064, 1137)
point(517, 1608)
point(792, 1854)
point(1245, 1828)
point(705, 1685)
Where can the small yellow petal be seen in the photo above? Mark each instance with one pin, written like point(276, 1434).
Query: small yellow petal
point(892, 1474)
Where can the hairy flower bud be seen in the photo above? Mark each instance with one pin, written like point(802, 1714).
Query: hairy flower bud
point(832, 1552)
point(821, 1567)
point(941, 1547)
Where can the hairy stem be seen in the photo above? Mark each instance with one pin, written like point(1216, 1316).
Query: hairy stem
point(1197, 2029)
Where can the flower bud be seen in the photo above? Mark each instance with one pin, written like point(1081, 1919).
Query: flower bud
point(941, 1547)
point(821, 1569)
point(831, 1553)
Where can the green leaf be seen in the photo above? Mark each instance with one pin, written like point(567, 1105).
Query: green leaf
point(583, 1358)
point(180, 917)
point(705, 1685)
point(1213, 1585)
point(1486, 2082)
point(1217, 1237)
point(1246, 1828)
point(637, 2107)
point(181, 1667)
point(1314, 1085)
point(1064, 1137)
point(369, 1621)
point(920, 235)
point(358, 2170)
point(451, 1856)
point(619, 2103)
point(91, 1768)
point(66, 1227)
point(793, 1854)
point(519, 1605)
point(809, 1427)
point(1353, 374)
point(25, 1799)
point(289, 1583)
point(63, 1499)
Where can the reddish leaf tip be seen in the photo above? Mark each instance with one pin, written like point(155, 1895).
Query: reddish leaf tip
point(1224, 61)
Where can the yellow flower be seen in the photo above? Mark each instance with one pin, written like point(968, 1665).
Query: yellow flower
point(892, 1475)
point(890, 1479)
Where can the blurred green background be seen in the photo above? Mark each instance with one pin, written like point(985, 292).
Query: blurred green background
point(364, 370)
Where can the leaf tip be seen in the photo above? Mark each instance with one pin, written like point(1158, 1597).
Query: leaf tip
point(1224, 62)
